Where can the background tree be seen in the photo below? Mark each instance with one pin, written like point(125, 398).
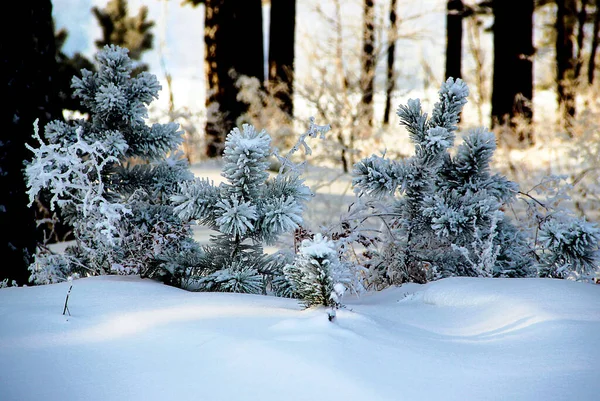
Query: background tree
point(391, 58)
point(594, 43)
point(28, 65)
point(118, 28)
point(476, 27)
point(571, 34)
point(282, 33)
point(233, 46)
point(512, 92)
point(121, 29)
point(368, 62)
point(454, 33)
point(565, 25)
point(335, 79)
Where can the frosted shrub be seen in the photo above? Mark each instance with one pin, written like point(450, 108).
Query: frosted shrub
point(264, 110)
point(50, 268)
point(111, 176)
point(443, 213)
point(5, 283)
point(249, 210)
point(444, 210)
point(567, 246)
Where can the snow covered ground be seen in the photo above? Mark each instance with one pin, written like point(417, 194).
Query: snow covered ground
point(455, 339)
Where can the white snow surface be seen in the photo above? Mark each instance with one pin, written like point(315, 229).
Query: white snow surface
point(454, 339)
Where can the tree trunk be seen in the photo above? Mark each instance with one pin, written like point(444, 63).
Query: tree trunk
point(28, 64)
point(454, 33)
point(391, 57)
point(368, 63)
point(581, 20)
point(480, 76)
point(594, 45)
point(512, 92)
point(282, 33)
point(566, 19)
point(233, 46)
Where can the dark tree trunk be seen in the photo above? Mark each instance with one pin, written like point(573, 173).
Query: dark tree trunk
point(28, 55)
point(247, 35)
point(581, 20)
point(233, 47)
point(513, 66)
point(454, 33)
point(391, 58)
point(368, 63)
point(594, 45)
point(216, 77)
point(566, 19)
point(282, 33)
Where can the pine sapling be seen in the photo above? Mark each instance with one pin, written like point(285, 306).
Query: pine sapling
point(249, 210)
point(443, 210)
point(316, 273)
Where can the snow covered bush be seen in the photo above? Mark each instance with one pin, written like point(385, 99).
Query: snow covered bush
point(443, 212)
point(317, 276)
point(50, 268)
point(565, 246)
point(249, 210)
point(111, 176)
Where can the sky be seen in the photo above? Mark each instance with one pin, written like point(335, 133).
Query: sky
point(459, 339)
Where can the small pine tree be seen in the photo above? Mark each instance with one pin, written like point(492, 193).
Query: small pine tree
point(316, 273)
point(249, 210)
point(444, 213)
point(111, 176)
